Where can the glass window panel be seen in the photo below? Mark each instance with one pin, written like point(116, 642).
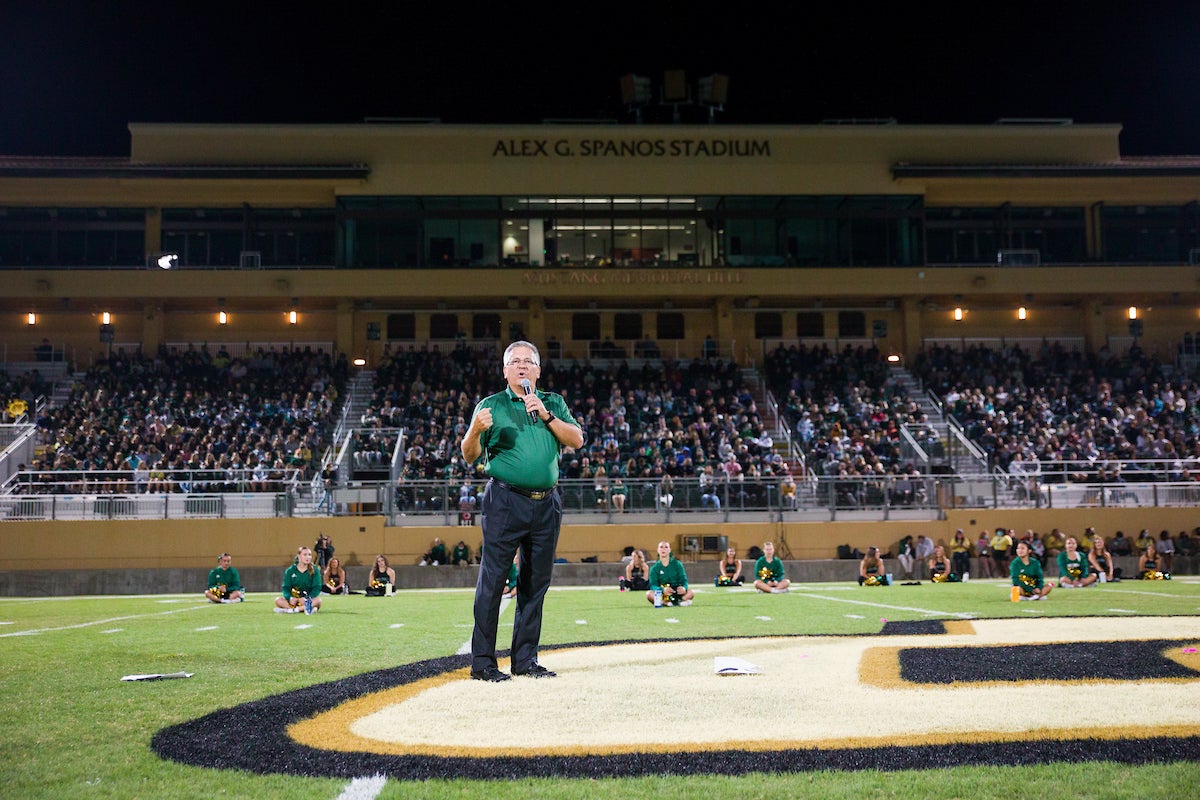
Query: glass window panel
point(768, 324)
point(627, 325)
point(670, 325)
point(852, 323)
point(585, 326)
point(810, 324)
point(485, 326)
point(401, 326)
point(443, 326)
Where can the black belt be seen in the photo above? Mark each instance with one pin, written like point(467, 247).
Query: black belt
point(532, 494)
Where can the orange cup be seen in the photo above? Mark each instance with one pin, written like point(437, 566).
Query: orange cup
point(1015, 595)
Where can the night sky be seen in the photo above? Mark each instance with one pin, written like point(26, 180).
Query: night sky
point(74, 74)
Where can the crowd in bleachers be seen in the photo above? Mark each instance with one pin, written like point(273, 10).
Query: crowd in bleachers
point(847, 414)
point(661, 418)
point(1067, 406)
point(271, 414)
point(191, 421)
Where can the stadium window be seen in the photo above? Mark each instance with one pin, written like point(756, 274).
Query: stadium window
point(585, 327)
point(670, 325)
point(627, 326)
point(852, 323)
point(810, 324)
point(443, 326)
point(768, 324)
point(485, 326)
point(402, 326)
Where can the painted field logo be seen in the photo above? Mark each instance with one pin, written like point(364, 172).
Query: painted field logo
point(878, 702)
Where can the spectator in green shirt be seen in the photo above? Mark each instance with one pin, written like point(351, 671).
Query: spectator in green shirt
point(768, 572)
point(1027, 575)
point(224, 583)
point(668, 574)
point(301, 587)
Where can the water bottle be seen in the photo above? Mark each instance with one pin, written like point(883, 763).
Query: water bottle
point(658, 597)
point(307, 604)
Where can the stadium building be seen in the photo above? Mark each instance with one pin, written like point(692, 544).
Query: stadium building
point(598, 242)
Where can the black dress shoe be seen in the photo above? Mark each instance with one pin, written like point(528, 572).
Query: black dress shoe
point(492, 674)
point(536, 671)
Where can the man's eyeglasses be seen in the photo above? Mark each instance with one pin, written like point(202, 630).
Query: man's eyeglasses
point(522, 362)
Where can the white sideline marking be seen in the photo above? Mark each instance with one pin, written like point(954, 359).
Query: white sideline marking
point(113, 630)
point(855, 616)
point(581, 622)
point(363, 788)
point(1122, 610)
point(207, 628)
point(959, 614)
point(303, 627)
point(671, 620)
point(465, 648)
point(396, 625)
point(766, 619)
point(35, 631)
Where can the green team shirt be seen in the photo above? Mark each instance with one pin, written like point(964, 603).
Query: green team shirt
point(229, 578)
point(301, 582)
point(516, 449)
point(768, 570)
point(1027, 576)
point(1075, 570)
point(512, 577)
point(673, 574)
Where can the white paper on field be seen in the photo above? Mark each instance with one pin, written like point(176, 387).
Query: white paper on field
point(154, 676)
point(728, 665)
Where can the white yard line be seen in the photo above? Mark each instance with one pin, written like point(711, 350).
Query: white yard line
point(363, 788)
point(960, 614)
point(465, 649)
point(36, 631)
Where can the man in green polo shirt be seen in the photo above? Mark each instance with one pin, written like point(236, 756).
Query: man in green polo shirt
point(224, 583)
point(514, 438)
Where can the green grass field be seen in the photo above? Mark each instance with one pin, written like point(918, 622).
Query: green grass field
point(74, 729)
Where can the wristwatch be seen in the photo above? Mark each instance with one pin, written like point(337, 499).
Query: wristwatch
point(550, 418)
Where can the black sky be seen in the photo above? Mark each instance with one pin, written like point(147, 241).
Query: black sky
point(74, 74)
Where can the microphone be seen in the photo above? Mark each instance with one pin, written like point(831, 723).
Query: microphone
point(528, 387)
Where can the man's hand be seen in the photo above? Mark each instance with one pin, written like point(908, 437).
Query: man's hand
point(534, 404)
point(482, 421)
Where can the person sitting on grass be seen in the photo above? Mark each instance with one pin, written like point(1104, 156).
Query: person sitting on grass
point(729, 569)
point(510, 585)
point(871, 571)
point(301, 590)
point(635, 573)
point(1100, 561)
point(1073, 569)
point(224, 583)
point(1149, 567)
point(1027, 576)
point(939, 567)
point(335, 577)
point(668, 575)
point(768, 572)
point(382, 576)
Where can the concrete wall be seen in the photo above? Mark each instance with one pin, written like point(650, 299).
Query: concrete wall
point(136, 556)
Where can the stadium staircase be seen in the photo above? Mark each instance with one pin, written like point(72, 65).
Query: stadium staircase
point(359, 393)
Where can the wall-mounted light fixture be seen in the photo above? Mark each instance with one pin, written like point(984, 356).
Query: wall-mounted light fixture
point(31, 318)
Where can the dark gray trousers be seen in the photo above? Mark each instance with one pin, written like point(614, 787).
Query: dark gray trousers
point(512, 523)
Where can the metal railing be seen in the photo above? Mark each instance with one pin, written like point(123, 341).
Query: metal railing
point(445, 503)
